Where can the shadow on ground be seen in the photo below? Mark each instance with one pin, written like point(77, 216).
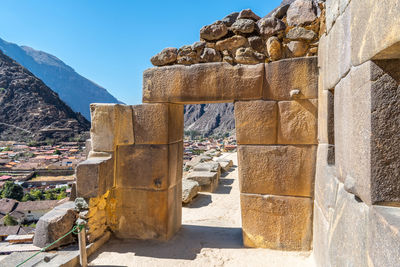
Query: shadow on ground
point(185, 245)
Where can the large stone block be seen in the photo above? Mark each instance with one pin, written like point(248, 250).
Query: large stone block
point(207, 180)
point(349, 231)
point(375, 30)
point(320, 237)
point(298, 122)
point(111, 126)
point(383, 244)
point(147, 214)
point(153, 167)
point(277, 170)
point(94, 176)
point(158, 123)
point(276, 222)
point(286, 75)
point(256, 122)
point(203, 83)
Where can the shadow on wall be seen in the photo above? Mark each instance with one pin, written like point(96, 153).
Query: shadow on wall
point(186, 245)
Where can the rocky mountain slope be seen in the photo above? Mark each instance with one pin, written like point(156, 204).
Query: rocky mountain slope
point(77, 91)
point(29, 110)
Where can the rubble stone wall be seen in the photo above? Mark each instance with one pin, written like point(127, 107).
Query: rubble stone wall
point(357, 183)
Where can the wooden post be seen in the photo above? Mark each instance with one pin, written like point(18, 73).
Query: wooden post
point(82, 247)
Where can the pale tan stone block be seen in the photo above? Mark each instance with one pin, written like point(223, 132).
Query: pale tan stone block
point(276, 222)
point(158, 123)
point(320, 237)
point(256, 122)
point(111, 126)
point(277, 170)
point(298, 122)
point(286, 75)
point(203, 83)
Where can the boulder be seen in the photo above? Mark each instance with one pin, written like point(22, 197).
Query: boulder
point(214, 31)
point(190, 189)
point(210, 55)
point(54, 224)
point(226, 164)
point(301, 12)
point(210, 166)
point(243, 26)
point(300, 33)
point(297, 48)
point(248, 14)
point(231, 43)
point(281, 11)
point(257, 43)
point(230, 19)
point(207, 180)
point(248, 56)
point(270, 26)
point(274, 48)
point(187, 55)
point(166, 56)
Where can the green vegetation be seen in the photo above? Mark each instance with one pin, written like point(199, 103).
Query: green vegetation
point(32, 143)
point(12, 190)
point(51, 194)
point(193, 134)
point(7, 149)
point(9, 220)
point(57, 152)
point(2, 90)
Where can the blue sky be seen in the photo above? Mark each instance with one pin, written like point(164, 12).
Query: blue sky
point(111, 42)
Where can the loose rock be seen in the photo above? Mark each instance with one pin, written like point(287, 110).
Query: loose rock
point(166, 56)
point(230, 19)
point(256, 43)
point(300, 33)
point(231, 43)
point(248, 56)
point(281, 11)
point(297, 48)
point(274, 48)
point(248, 14)
point(210, 55)
point(270, 26)
point(214, 31)
point(301, 12)
point(243, 26)
point(186, 55)
point(190, 189)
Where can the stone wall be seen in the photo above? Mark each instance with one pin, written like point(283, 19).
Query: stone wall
point(357, 184)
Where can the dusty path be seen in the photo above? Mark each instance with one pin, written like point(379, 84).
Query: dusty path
point(210, 236)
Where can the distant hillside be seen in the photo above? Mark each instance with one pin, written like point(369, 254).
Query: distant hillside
point(29, 110)
point(77, 91)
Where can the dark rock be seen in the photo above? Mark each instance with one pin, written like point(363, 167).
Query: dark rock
point(215, 31)
point(256, 43)
point(301, 12)
point(248, 14)
point(300, 33)
point(243, 26)
point(210, 55)
point(230, 19)
point(281, 11)
point(186, 55)
point(270, 26)
point(166, 56)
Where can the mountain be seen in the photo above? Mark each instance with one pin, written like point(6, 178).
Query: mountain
point(77, 91)
point(210, 119)
point(29, 110)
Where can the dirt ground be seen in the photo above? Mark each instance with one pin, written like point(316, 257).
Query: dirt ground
point(210, 236)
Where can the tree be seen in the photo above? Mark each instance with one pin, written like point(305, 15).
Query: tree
point(57, 152)
point(12, 190)
point(9, 220)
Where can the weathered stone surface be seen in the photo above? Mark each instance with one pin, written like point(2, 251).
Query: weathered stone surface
point(231, 43)
point(230, 19)
point(166, 56)
point(243, 26)
point(261, 128)
point(187, 55)
point(190, 189)
point(270, 26)
point(94, 176)
point(148, 166)
point(298, 122)
point(320, 237)
point(248, 14)
point(214, 31)
point(332, 12)
point(256, 43)
point(226, 164)
point(349, 231)
point(200, 83)
point(54, 224)
point(281, 11)
point(196, 160)
point(210, 166)
point(289, 74)
point(274, 48)
point(276, 222)
point(146, 214)
point(210, 55)
point(297, 48)
point(383, 244)
point(369, 39)
point(158, 123)
point(248, 56)
point(277, 170)
point(111, 125)
point(206, 179)
point(300, 33)
point(301, 12)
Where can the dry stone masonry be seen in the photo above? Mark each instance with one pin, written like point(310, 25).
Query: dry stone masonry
point(318, 137)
